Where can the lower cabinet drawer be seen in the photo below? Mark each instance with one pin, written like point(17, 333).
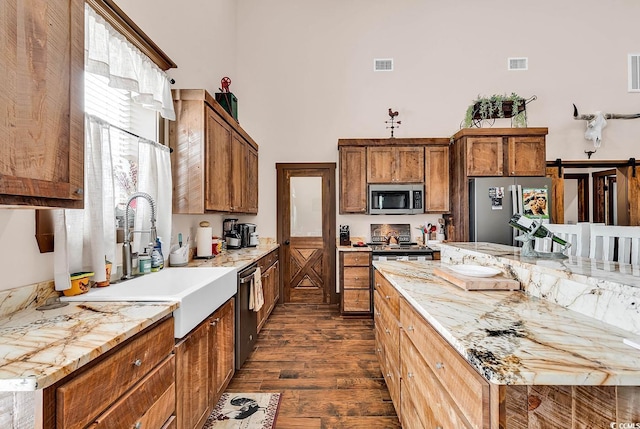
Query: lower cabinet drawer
point(389, 326)
point(83, 398)
point(388, 292)
point(148, 405)
point(468, 389)
point(356, 277)
point(421, 387)
point(356, 300)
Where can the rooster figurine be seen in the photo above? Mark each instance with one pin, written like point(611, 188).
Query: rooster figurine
point(394, 124)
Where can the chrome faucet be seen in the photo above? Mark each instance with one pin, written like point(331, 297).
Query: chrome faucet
point(126, 245)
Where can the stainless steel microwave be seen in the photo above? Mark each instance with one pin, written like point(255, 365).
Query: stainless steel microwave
point(396, 199)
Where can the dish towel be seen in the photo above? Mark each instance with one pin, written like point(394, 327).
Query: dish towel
point(256, 296)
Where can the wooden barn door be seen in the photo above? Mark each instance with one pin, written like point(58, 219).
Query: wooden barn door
point(307, 232)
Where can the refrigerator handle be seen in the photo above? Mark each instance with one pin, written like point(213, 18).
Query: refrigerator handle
point(516, 207)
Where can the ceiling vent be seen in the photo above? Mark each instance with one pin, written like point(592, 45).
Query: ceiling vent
point(634, 72)
point(383, 64)
point(521, 63)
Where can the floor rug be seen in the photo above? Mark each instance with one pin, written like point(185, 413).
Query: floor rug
point(244, 411)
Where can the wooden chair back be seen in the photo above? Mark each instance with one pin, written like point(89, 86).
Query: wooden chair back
point(576, 234)
point(615, 243)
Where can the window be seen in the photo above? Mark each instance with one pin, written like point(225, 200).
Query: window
point(116, 107)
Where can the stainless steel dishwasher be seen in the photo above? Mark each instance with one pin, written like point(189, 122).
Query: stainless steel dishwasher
point(246, 319)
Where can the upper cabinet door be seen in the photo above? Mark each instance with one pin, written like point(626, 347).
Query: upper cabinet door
point(391, 164)
point(409, 167)
point(436, 190)
point(485, 156)
point(42, 128)
point(353, 183)
point(527, 156)
point(218, 158)
point(380, 164)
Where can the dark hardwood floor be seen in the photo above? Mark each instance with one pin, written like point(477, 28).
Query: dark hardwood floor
point(325, 367)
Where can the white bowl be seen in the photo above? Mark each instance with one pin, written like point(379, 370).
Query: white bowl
point(474, 270)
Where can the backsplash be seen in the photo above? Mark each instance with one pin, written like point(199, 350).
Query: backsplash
point(31, 296)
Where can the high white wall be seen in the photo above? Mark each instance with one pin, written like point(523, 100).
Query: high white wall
point(302, 71)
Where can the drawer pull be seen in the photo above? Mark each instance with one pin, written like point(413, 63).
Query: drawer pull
point(378, 313)
point(409, 375)
point(138, 425)
point(410, 328)
point(137, 362)
point(439, 365)
point(387, 297)
point(387, 330)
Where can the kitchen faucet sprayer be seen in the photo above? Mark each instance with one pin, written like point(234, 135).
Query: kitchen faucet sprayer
point(126, 245)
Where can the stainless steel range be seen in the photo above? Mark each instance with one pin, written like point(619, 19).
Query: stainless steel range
point(393, 242)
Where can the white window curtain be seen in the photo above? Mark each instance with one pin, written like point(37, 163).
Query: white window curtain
point(109, 54)
point(85, 238)
point(154, 178)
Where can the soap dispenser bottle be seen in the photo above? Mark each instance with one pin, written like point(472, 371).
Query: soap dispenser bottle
point(157, 260)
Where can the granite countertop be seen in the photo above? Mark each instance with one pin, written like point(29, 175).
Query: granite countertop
point(40, 347)
point(516, 338)
point(237, 258)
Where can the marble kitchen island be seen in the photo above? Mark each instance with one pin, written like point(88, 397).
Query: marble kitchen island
point(551, 353)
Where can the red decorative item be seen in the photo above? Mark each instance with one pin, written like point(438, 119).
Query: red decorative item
point(225, 82)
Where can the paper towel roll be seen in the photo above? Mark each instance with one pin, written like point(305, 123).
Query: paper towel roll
point(203, 241)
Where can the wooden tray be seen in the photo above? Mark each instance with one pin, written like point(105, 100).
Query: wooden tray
point(497, 282)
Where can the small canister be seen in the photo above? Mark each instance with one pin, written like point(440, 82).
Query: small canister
point(144, 263)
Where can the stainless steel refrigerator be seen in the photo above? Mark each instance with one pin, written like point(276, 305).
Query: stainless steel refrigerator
point(493, 200)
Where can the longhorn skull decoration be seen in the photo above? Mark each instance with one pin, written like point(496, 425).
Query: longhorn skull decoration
point(597, 122)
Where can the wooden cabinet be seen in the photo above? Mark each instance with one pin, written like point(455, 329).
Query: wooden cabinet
point(490, 152)
point(484, 156)
point(397, 161)
point(42, 129)
point(214, 161)
point(526, 156)
point(134, 384)
point(460, 386)
point(353, 179)
point(386, 317)
point(355, 281)
point(244, 177)
point(222, 341)
point(395, 164)
point(193, 378)
point(270, 277)
point(436, 192)
point(204, 366)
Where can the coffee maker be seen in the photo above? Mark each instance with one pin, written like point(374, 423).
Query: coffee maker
point(345, 239)
point(231, 233)
point(246, 230)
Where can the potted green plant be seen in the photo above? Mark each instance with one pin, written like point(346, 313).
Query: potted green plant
point(497, 106)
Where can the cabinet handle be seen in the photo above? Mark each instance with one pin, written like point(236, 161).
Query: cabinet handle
point(410, 328)
point(377, 313)
point(439, 365)
point(409, 375)
point(138, 425)
point(387, 297)
point(387, 330)
point(137, 362)
point(389, 374)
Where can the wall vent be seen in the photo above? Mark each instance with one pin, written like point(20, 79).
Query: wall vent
point(634, 72)
point(383, 64)
point(521, 63)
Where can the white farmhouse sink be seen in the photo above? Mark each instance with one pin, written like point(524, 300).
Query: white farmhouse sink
point(199, 290)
